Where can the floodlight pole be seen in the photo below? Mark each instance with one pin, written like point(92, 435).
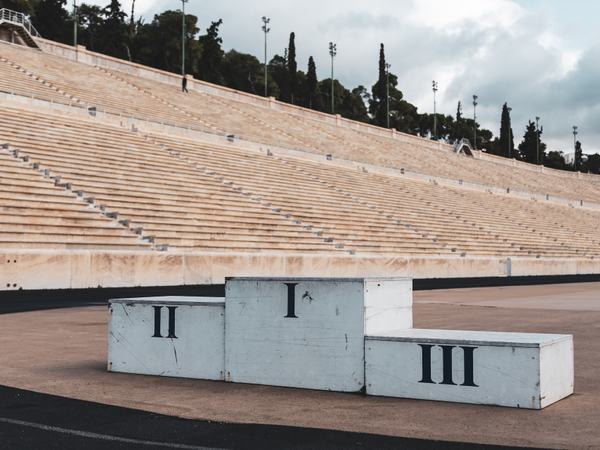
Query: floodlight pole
point(75, 23)
point(183, 2)
point(387, 93)
point(332, 53)
point(475, 121)
point(434, 86)
point(575, 132)
point(266, 29)
point(537, 140)
point(509, 153)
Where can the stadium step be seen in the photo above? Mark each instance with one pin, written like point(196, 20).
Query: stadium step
point(57, 191)
point(232, 185)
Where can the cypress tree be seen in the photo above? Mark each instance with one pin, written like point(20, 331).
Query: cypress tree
point(506, 145)
point(292, 67)
point(382, 71)
point(578, 157)
point(311, 81)
point(377, 105)
point(457, 131)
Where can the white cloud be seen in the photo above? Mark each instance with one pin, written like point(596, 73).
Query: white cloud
point(453, 17)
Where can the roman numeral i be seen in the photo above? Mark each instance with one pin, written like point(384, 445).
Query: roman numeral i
point(291, 300)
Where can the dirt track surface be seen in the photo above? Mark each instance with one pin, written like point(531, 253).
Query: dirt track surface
point(63, 352)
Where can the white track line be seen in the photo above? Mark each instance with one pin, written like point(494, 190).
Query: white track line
point(105, 437)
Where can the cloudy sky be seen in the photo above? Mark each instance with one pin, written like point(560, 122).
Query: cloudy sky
point(540, 56)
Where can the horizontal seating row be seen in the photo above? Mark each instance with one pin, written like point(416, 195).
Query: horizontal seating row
point(460, 223)
point(191, 195)
point(138, 181)
point(47, 216)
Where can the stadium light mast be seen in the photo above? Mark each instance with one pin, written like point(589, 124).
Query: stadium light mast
point(387, 92)
point(475, 97)
point(575, 132)
point(537, 140)
point(434, 86)
point(332, 53)
point(183, 2)
point(509, 153)
point(75, 24)
point(266, 29)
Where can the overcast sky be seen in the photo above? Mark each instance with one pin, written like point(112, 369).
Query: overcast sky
point(540, 56)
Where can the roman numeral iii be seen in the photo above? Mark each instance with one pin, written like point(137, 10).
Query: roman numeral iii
point(447, 364)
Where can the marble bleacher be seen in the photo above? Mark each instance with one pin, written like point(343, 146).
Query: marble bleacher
point(121, 187)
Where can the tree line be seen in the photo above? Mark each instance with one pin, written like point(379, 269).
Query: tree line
point(157, 43)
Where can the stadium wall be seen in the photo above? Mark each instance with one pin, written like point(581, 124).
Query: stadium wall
point(77, 269)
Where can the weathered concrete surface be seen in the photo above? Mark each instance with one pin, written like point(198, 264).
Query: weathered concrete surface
point(568, 297)
point(73, 269)
point(64, 352)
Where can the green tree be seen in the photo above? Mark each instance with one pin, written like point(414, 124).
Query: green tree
point(312, 92)
point(90, 21)
point(23, 6)
point(556, 160)
point(403, 115)
point(211, 56)
point(505, 145)
point(243, 72)
point(378, 106)
point(353, 107)
point(484, 138)
point(460, 127)
point(445, 126)
point(292, 68)
point(347, 103)
point(113, 33)
point(578, 157)
point(165, 29)
point(592, 165)
point(279, 77)
point(52, 20)
point(528, 147)
point(363, 93)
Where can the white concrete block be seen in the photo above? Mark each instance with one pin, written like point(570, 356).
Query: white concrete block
point(308, 332)
point(169, 336)
point(522, 370)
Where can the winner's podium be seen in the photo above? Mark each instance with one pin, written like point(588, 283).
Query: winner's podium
point(169, 336)
point(522, 370)
point(308, 333)
point(338, 334)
